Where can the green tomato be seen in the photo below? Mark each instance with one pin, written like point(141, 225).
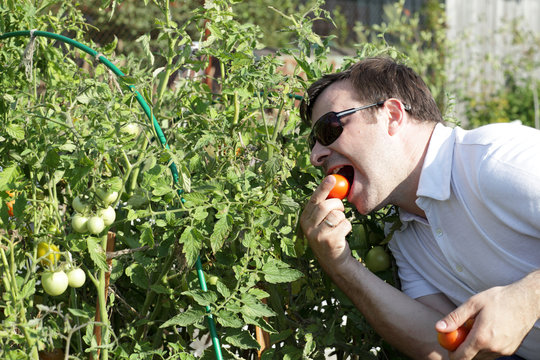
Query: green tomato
point(130, 129)
point(377, 259)
point(212, 280)
point(80, 205)
point(95, 225)
point(107, 196)
point(79, 223)
point(54, 283)
point(108, 215)
point(76, 277)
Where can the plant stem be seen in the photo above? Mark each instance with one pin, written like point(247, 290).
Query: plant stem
point(103, 308)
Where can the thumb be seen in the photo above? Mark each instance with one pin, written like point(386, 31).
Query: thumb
point(456, 318)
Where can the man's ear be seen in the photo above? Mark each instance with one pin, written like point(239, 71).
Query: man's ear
point(396, 115)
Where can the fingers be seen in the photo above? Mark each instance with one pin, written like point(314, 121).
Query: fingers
point(458, 317)
point(319, 207)
point(322, 191)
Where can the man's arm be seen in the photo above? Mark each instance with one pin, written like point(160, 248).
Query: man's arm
point(405, 323)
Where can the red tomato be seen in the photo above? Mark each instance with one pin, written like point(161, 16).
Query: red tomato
point(451, 341)
point(340, 189)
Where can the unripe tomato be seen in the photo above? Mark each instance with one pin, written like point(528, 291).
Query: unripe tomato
point(54, 283)
point(76, 277)
point(78, 223)
point(340, 189)
point(377, 259)
point(106, 196)
point(49, 254)
point(451, 341)
point(108, 215)
point(130, 129)
point(212, 280)
point(95, 225)
point(54, 230)
point(80, 205)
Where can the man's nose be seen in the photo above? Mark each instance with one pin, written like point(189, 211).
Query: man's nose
point(318, 154)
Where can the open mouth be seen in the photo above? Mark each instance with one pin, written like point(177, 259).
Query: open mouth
point(347, 171)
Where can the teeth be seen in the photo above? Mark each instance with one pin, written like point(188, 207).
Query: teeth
point(336, 170)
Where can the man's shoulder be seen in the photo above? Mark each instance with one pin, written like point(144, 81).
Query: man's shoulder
point(499, 133)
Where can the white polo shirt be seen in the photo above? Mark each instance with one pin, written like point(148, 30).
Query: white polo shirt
point(480, 191)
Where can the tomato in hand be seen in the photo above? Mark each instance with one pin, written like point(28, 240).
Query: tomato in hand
point(451, 341)
point(340, 189)
point(54, 283)
point(377, 259)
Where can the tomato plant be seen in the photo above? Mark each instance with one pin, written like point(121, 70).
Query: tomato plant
point(340, 189)
point(54, 283)
point(225, 192)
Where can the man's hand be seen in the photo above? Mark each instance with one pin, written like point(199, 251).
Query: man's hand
point(325, 226)
point(503, 317)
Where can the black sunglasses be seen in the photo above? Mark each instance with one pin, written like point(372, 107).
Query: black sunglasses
point(329, 127)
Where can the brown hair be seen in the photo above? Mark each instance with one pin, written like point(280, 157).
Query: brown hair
point(377, 79)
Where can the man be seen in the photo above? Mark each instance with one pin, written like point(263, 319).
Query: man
point(469, 203)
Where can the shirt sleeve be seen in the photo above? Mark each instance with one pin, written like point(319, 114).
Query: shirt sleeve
point(412, 282)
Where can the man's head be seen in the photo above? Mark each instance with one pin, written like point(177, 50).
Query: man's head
point(372, 123)
point(378, 79)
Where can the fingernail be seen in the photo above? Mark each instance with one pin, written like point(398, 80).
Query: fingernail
point(441, 324)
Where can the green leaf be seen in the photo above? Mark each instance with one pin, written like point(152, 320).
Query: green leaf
point(203, 298)
point(137, 275)
point(257, 310)
point(147, 235)
point(52, 159)
point(276, 271)
point(6, 176)
point(188, 317)
point(223, 289)
point(192, 240)
point(97, 253)
point(241, 339)
point(229, 319)
point(79, 313)
point(16, 131)
point(260, 322)
point(28, 289)
point(221, 230)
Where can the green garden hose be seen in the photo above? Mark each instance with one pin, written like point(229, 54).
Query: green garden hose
point(159, 132)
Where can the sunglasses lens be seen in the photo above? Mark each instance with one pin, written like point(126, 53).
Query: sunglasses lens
point(326, 130)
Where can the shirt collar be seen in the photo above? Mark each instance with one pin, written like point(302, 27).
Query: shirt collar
point(437, 168)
